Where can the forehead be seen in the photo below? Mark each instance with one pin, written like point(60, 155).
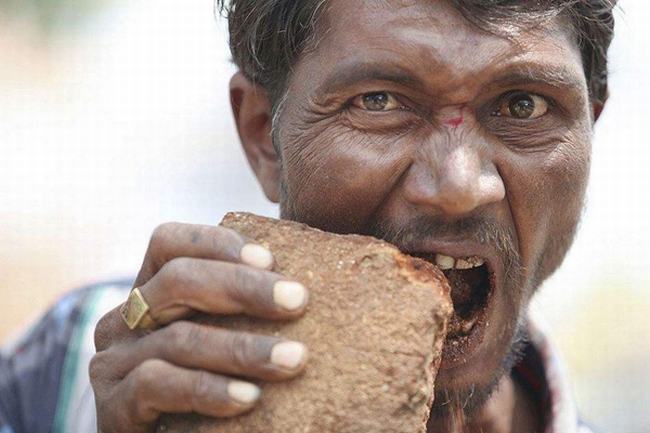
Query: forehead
point(431, 38)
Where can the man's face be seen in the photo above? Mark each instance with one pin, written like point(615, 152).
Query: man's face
point(408, 123)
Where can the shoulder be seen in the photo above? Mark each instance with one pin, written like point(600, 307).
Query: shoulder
point(585, 428)
point(44, 371)
point(70, 312)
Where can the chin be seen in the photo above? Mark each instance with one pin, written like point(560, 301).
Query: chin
point(466, 382)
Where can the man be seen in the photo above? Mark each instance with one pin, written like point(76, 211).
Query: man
point(458, 130)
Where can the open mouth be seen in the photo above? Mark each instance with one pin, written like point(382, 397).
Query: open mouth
point(472, 284)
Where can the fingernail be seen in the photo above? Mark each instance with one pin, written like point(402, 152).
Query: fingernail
point(257, 256)
point(289, 294)
point(288, 354)
point(243, 392)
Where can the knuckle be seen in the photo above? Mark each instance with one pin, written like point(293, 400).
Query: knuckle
point(175, 271)
point(97, 368)
point(241, 350)
point(162, 233)
point(229, 236)
point(250, 287)
point(144, 376)
point(202, 389)
point(243, 282)
point(159, 243)
point(178, 266)
point(100, 334)
point(182, 336)
point(137, 395)
point(227, 241)
point(195, 337)
point(103, 333)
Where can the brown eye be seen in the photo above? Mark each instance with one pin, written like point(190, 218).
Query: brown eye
point(376, 101)
point(523, 106)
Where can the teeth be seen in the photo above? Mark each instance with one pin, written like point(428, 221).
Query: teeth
point(446, 262)
point(463, 264)
point(466, 326)
point(469, 262)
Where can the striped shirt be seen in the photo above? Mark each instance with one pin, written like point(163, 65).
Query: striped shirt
point(45, 388)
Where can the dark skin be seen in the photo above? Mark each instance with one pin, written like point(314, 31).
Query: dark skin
point(423, 118)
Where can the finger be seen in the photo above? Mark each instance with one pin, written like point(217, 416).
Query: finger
point(171, 240)
point(217, 350)
point(157, 387)
point(185, 285)
point(112, 328)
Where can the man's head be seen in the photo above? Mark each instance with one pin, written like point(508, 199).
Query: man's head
point(451, 128)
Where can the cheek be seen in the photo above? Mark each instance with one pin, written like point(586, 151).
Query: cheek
point(546, 194)
point(336, 177)
point(567, 173)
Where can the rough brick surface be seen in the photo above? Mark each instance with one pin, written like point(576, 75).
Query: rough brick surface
point(375, 327)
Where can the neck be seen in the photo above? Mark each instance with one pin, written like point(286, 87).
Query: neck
point(509, 410)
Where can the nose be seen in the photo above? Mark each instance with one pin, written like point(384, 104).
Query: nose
point(454, 180)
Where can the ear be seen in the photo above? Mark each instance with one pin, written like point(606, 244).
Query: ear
point(252, 110)
point(599, 106)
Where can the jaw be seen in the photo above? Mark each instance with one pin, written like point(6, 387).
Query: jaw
point(463, 388)
point(472, 280)
point(488, 409)
point(470, 371)
point(485, 332)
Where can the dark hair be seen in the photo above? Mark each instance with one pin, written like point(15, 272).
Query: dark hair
point(268, 36)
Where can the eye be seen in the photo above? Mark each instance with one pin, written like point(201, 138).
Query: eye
point(522, 105)
point(377, 101)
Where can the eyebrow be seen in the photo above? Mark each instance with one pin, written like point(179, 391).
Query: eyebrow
point(355, 73)
point(558, 76)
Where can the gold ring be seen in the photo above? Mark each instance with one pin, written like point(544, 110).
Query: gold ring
point(135, 311)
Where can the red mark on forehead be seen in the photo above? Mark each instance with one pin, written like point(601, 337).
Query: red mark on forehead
point(456, 121)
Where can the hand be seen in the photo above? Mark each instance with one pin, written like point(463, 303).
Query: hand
point(186, 367)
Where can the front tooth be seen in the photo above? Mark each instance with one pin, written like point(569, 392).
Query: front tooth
point(445, 262)
point(476, 261)
point(469, 262)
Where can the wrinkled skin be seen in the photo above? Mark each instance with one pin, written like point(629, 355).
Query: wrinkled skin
point(465, 143)
point(438, 157)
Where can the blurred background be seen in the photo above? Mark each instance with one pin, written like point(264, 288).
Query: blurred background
point(114, 117)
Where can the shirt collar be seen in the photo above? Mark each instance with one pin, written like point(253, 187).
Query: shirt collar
point(543, 372)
